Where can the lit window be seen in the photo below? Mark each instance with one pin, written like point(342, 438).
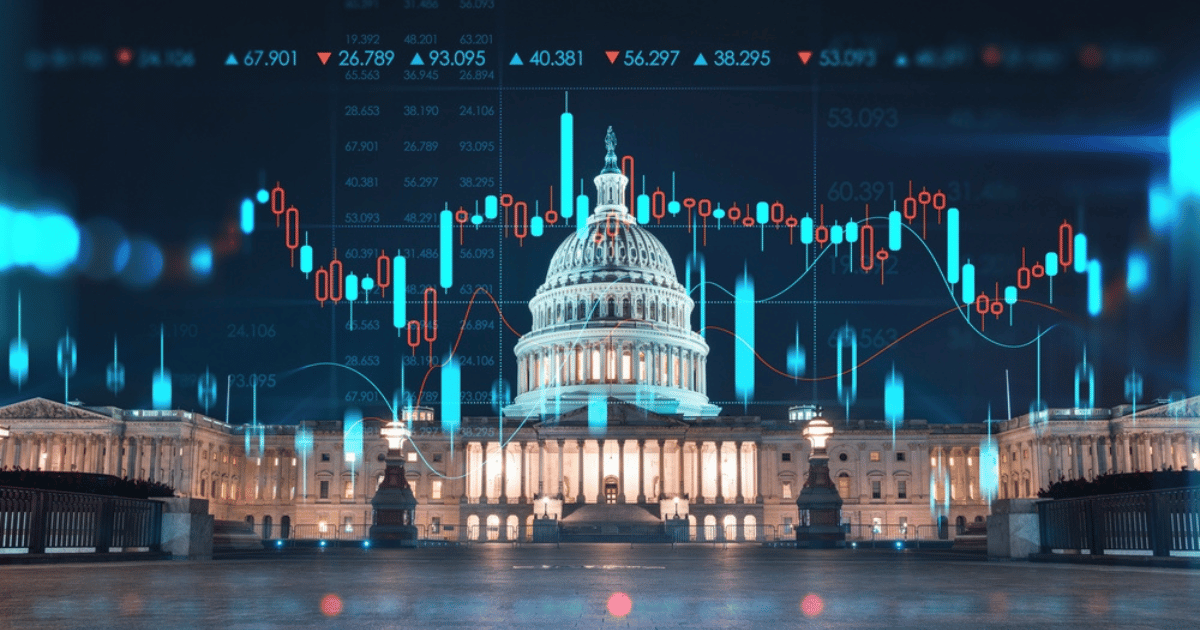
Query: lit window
point(348, 525)
point(435, 524)
point(412, 457)
point(874, 456)
point(348, 490)
point(321, 526)
point(844, 485)
point(626, 366)
point(787, 489)
point(435, 489)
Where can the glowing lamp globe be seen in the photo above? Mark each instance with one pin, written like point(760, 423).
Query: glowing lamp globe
point(817, 431)
point(395, 434)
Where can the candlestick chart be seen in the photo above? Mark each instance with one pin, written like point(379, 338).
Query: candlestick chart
point(300, 217)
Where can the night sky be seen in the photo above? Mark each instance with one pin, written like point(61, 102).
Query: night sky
point(1022, 122)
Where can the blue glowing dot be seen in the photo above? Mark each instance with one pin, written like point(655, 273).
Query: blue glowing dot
point(145, 264)
point(1137, 274)
point(719, 213)
point(278, 543)
point(899, 545)
point(201, 260)
point(366, 544)
point(1164, 212)
point(368, 284)
point(322, 543)
point(263, 196)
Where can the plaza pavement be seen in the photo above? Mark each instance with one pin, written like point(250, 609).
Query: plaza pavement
point(580, 586)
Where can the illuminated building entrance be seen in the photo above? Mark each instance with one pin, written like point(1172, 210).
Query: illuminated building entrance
point(610, 489)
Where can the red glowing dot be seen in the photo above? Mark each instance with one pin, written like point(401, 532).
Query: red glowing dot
point(992, 56)
point(619, 604)
point(812, 605)
point(331, 605)
point(1091, 56)
point(124, 56)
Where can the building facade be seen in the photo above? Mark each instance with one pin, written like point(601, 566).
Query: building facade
point(611, 410)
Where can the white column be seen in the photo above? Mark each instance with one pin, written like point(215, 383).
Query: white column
point(738, 460)
point(679, 458)
point(524, 474)
point(620, 471)
point(641, 444)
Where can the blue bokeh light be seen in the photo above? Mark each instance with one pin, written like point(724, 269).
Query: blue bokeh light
point(1137, 272)
point(201, 260)
point(263, 196)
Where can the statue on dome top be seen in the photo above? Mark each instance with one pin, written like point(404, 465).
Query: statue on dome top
point(610, 159)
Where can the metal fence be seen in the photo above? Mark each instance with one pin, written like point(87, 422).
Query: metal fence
point(45, 521)
point(521, 533)
point(1159, 521)
point(890, 531)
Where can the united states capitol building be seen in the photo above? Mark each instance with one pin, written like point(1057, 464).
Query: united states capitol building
point(611, 428)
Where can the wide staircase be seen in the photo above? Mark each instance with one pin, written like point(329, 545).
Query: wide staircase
point(606, 522)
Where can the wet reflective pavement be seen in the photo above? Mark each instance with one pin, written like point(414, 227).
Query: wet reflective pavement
point(582, 586)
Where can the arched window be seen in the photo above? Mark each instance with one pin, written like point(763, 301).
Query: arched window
point(612, 308)
point(626, 365)
point(611, 360)
point(250, 520)
point(267, 526)
point(641, 367)
point(493, 527)
point(213, 489)
point(625, 314)
point(285, 526)
point(653, 311)
point(473, 532)
point(750, 528)
point(730, 529)
point(595, 376)
point(844, 485)
point(513, 526)
point(641, 308)
point(710, 527)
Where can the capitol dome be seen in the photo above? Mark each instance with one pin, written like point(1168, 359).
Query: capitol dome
point(611, 320)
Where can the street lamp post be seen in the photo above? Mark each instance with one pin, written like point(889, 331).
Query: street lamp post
point(394, 502)
point(819, 503)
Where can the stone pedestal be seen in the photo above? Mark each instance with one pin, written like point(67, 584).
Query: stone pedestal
point(1012, 529)
point(187, 528)
point(676, 528)
point(545, 530)
point(395, 507)
point(820, 506)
